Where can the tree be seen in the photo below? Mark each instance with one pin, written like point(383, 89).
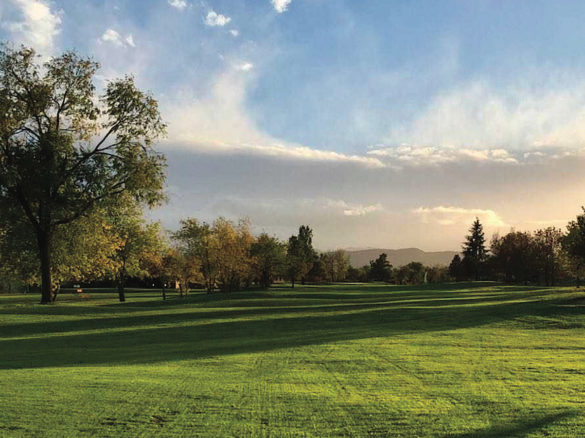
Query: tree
point(268, 255)
point(300, 254)
point(63, 150)
point(222, 252)
point(437, 274)
point(197, 242)
point(138, 242)
point(548, 249)
point(358, 275)
point(380, 269)
point(308, 254)
point(18, 255)
point(317, 272)
point(513, 256)
point(156, 264)
point(412, 273)
point(336, 264)
point(456, 268)
point(474, 250)
point(234, 268)
point(295, 265)
point(182, 267)
point(574, 243)
point(81, 252)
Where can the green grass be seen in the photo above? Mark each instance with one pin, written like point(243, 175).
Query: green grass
point(458, 360)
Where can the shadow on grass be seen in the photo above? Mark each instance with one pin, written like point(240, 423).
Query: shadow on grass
point(418, 307)
point(198, 333)
point(518, 429)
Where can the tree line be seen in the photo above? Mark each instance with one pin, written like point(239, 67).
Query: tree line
point(118, 244)
point(545, 256)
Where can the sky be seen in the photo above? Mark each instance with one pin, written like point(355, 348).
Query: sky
point(378, 123)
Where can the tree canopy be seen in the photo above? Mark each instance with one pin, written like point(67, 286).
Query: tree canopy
point(64, 150)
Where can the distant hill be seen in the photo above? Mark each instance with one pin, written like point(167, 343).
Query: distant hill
point(400, 257)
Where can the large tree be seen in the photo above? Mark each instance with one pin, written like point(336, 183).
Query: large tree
point(64, 150)
point(474, 250)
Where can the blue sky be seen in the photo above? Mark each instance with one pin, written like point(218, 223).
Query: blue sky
point(353, 116)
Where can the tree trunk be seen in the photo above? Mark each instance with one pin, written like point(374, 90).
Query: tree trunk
point(293, 282)
point(121, 284)
point(164, 293)
point(44, 242)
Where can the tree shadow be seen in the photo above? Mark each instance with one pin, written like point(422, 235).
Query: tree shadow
point(518, 429)
point(249, 305)
point(197, 333)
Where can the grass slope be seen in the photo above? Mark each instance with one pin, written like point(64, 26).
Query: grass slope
point(458, 360)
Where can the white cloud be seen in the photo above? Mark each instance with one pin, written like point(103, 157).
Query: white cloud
point(113, 37)
point(235, 32)
point(218, 123)
point(247, 66)
point(361, 210)
point(130, 40)
point(432, 155)
point(280, 5)
point(281, 151)
point(179, 4)
point(36, 26)
point(214, 19)
point(477, 115)
point(458, 216)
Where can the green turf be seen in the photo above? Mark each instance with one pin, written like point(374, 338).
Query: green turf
point(456, 360)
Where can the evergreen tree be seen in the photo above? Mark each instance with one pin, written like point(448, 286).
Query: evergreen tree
point(474, 250)
point(381, 269)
